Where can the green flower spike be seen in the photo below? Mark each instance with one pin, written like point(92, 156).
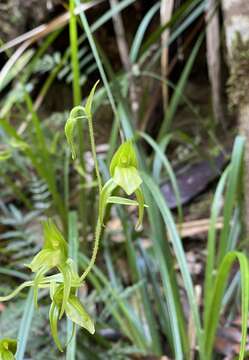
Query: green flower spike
point(7, 349)
point(53, 254)
point(74, 311)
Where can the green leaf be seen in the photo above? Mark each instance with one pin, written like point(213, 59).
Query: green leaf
point(25, 326)
point(215, 307)
point(73, 241)
point(231, 197)
point(179, 252)
point(78, 314)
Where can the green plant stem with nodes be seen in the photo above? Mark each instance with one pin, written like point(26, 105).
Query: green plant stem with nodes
point(55, 255)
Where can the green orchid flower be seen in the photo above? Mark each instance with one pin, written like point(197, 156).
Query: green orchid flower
point(125, 175)
point(8, 349)
point(74, 310)
point(53, 254)
point(124, 168)
point(54, 250)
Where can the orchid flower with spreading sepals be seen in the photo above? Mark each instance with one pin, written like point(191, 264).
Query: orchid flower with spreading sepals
point(8, 349)
point(74, 311)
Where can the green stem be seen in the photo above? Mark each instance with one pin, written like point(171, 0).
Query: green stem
point(95, 250)
point(94, 152)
